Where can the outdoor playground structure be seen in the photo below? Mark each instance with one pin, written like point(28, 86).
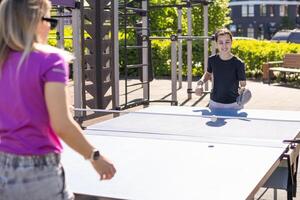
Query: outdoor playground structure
point(96, 74)
point(96, 67)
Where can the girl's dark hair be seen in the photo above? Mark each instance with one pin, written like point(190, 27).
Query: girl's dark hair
point(223, 31)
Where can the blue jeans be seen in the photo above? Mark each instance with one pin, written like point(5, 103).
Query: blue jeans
point(32, 178)
point(215, 105)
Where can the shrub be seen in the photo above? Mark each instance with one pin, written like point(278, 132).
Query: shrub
point(253, 52)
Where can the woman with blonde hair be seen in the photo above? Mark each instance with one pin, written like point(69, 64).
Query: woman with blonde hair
point(34, 109)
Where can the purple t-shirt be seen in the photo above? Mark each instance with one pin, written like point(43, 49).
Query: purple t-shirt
point(24, 121)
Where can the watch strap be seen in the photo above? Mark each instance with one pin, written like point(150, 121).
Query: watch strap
point(200, 82)
point(95, 155)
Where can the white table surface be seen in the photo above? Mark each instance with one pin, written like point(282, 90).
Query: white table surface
point(183, 157)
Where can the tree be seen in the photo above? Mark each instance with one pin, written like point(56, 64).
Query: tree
point(163, 21)
point(218, 17)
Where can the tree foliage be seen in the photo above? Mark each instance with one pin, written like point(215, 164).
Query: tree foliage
point(163, 21)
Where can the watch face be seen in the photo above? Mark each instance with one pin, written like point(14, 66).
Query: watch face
point(96, 155)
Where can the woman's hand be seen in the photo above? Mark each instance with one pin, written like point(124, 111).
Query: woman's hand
point(199, 90)
point(104, 168)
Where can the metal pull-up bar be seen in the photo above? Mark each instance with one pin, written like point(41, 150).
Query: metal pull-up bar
point(65, 3)
point(176, 39)
point(182, 37)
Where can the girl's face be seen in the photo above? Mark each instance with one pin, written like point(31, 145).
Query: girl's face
point(224, 44)
point(43, 29)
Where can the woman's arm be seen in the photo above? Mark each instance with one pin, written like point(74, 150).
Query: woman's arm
point(206, 76)
point(199, 89)
point(68, 130)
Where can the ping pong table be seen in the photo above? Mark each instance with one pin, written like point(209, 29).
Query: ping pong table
point(175, 152)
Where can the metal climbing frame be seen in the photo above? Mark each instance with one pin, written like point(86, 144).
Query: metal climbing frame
point(189, 38)
point(98, 54)
point(138, 10)
point(74, 13)
point(96, 70)
point(95, 46)
point(134, 23)
point(176, 39)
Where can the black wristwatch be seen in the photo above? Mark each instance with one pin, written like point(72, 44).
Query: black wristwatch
point(95, 155)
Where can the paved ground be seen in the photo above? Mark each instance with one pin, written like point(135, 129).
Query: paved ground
point(264, 96)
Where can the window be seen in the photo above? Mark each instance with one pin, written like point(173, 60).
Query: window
point(272, 28)
point(272, 11)
point(283, 10)
point(244, 10)
point(233, 28)
point(239, 31)
point(251, 10)
point(260, 32)
point(263, 10)
point(250, 31)
point(247, 10)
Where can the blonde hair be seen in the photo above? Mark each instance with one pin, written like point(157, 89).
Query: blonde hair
point(18, 25)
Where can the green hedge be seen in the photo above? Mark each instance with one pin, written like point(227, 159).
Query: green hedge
point(161, 58)
point(68, 42)
point(253, 52)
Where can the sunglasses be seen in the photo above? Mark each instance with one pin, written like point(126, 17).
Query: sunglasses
point(53, 22)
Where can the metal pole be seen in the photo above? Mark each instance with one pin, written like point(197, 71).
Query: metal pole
point(275, 194)
point(173, 70)
point(179, 11)
point(193, 37)
point(60, 31)
point(213, 47)
point(213, 52)
point(77, 71)
point(145, 53)
point(205, 25)
point(189, 49)
point(159, 38)
point(116, 54)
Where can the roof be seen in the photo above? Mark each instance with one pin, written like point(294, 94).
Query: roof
point(292, 36)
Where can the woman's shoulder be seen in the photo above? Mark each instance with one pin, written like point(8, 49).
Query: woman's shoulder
point(43, 56)
point(51, 53)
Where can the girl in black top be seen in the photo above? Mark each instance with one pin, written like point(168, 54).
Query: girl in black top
point(229, 79)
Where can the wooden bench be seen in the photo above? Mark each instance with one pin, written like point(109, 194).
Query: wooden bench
point(290, 64)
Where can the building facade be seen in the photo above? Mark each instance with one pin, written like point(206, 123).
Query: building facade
point(262, 19)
